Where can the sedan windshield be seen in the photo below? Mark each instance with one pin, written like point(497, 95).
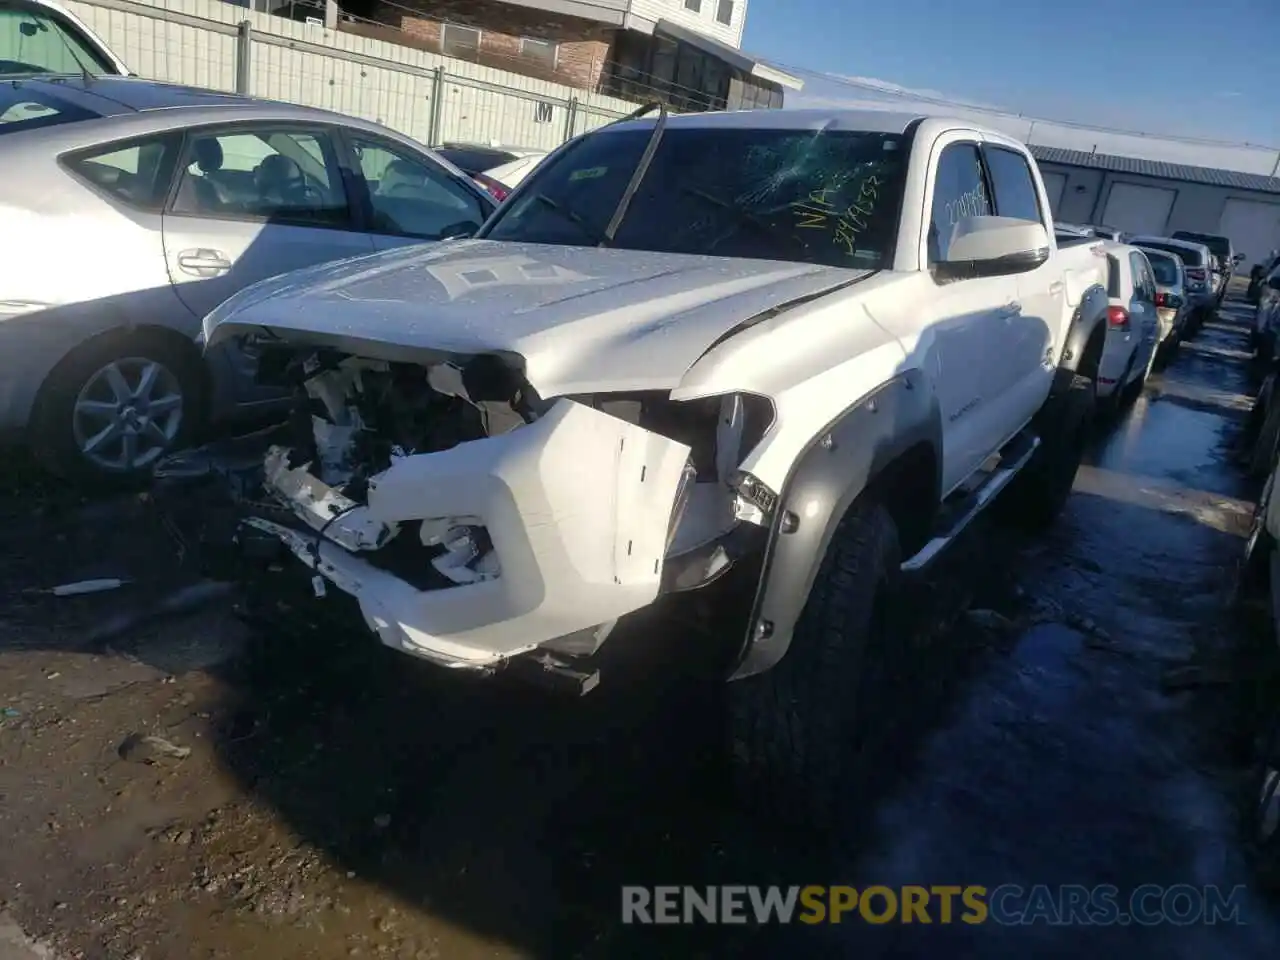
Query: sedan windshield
point(809, 196)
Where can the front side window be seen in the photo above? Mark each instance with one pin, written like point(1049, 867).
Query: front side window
point(1013, 185)
point(808, 196)
point(137, 173)
point(959, 191)
point(412, 197)
point(33, 41)
point(284, 175)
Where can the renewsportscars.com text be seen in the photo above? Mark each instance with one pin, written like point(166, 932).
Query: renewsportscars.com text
point(1008, 905)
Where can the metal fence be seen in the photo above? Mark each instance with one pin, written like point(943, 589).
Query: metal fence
point(435, 99)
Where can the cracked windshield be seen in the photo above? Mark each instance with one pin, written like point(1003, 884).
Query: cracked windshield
point(533, 479)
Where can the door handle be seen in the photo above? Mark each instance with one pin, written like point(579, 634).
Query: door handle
point(1056, 288)
point(1009, 310)
point(204, 263)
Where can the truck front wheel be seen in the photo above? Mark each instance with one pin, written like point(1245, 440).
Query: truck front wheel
point(804, 733)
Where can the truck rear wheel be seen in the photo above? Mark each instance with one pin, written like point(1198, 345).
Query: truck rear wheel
point(1036, 497)
point(804, 733)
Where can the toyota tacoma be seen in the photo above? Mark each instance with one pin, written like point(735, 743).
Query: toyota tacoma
point(754, 365)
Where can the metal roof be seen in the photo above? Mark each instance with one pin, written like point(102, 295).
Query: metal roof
point(1157, 168)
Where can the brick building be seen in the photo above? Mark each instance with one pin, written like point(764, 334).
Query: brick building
point(683, 51)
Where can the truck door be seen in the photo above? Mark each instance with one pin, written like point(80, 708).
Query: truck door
point(965, 321)
point(1042, 298)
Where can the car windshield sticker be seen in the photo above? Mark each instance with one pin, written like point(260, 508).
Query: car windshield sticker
point(588, 173)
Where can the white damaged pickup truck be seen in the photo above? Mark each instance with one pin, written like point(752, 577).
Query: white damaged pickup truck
point(774, 358)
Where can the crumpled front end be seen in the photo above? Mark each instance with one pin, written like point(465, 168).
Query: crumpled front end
point(473, 523)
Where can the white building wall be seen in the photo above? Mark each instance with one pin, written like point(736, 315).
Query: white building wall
point(703, 20)
point(1196, 206)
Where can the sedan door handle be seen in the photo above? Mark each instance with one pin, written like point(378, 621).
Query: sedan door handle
point(204, 263)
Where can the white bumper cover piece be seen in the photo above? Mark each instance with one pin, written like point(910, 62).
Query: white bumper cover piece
point(578, 506)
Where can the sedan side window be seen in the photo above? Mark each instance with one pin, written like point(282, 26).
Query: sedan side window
point(137, 173)
point(413, 197)
point(959, 191)
point(1013, 185)
point(259, 173)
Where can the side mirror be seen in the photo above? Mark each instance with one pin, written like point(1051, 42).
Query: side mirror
point(1274, 282)
point(993, 247)
point(1238, 259)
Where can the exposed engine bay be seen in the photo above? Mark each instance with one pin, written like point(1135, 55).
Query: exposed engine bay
point(474, 521)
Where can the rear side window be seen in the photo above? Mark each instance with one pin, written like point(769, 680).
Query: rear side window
point(1013, 185)
point(1113, 276)
point(24, 108)
point(263, 173)
point(137, 173)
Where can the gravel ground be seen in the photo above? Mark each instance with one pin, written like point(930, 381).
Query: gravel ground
point(197, 788)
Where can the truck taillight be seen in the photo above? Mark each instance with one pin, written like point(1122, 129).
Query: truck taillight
point(1118, 318)
point(1171, 300)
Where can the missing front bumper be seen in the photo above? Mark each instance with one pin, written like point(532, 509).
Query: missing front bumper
point(579, 507)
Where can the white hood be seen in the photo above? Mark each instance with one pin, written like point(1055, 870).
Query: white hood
point(583, 319)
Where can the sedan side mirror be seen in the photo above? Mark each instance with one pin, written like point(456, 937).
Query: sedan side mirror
point(993, 247)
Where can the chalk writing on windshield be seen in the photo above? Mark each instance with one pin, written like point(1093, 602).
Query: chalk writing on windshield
point(845, 223)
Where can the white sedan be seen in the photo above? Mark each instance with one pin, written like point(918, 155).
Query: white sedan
point(132, 208)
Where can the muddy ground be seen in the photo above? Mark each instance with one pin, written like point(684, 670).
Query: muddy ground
point(313, 795)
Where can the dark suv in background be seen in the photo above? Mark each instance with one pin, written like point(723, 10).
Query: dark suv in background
point(1222, 252)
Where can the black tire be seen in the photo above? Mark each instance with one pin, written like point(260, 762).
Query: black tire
point(803, 734)
point(52, 432)
point(1036, 496)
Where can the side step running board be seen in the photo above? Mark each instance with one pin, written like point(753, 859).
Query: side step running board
point(1012, 459)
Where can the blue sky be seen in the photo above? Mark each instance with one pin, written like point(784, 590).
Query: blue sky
point(1208, 68)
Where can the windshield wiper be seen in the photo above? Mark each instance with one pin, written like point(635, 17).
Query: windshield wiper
point(573, 216)
point(646, 158)
point(745, 216)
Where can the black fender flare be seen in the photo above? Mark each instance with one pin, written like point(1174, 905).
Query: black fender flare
point(836, 466)
point(1088, 316)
